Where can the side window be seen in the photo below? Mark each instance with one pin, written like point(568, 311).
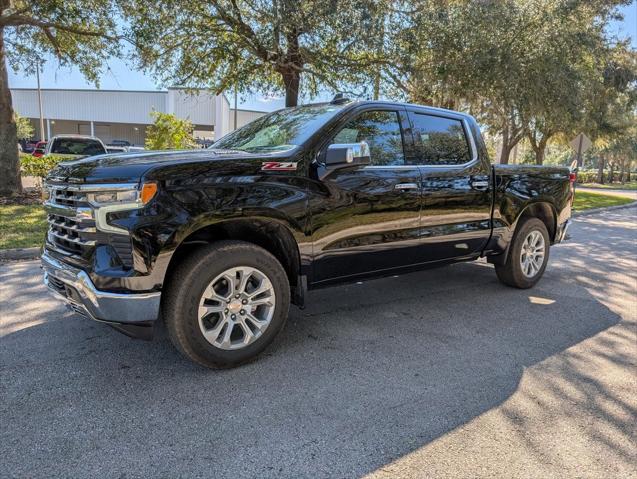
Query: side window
point(439, 141)
point(381, 131)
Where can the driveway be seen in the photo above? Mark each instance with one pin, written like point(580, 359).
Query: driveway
point(442, 373)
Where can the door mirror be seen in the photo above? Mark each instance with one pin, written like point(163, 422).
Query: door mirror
point(347, 154)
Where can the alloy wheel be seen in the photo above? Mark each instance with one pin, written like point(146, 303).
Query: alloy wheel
point(236, 307)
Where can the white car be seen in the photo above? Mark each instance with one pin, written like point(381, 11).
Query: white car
point(76, 145)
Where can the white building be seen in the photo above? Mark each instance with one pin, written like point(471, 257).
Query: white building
point(124, 115)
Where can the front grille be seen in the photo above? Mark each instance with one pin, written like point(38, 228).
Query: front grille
point(71, 224)
point(71, 234)
point(65, 197)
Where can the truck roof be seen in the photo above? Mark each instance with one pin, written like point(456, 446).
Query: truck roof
point(348, 103)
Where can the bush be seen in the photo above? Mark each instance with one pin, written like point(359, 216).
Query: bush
point(587, 176)
point(39, 166)
point(590, 176)
point(169, 133)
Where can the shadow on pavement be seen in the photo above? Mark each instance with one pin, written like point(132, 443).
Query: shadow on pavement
point(369, 373)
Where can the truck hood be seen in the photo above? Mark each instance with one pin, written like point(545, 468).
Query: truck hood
point(130, 167)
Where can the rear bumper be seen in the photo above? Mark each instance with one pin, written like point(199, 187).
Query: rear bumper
point(562, 230)
point(76, 289)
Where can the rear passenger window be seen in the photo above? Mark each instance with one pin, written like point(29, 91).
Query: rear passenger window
point(439, 141)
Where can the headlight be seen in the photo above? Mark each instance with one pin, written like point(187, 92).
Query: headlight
point(133, 196)
point(113, 197)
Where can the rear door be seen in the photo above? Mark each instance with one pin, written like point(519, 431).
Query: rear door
point(456, 185)
point(366, 219)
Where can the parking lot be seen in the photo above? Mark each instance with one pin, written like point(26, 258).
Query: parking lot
point(442, 373)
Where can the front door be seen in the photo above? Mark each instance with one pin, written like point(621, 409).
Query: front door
point(366, 220)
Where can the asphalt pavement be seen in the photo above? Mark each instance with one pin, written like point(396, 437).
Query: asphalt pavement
point(441, 373)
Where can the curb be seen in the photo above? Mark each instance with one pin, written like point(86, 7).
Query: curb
point(592, 211)
point(17, 254)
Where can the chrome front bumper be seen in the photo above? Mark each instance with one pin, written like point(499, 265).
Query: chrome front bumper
point(75, 287)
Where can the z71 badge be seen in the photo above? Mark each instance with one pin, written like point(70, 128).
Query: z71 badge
point(279, 166)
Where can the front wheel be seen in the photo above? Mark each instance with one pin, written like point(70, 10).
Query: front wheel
point(226, 303)
point(528, 255)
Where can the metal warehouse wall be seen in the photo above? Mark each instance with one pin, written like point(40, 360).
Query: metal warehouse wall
point(199, 108)
point(90, 105)
point(244, 117)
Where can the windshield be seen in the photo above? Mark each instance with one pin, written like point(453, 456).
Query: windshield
point(279, 131)
point(77, 146)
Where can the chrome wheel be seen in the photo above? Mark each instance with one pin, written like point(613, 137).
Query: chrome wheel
point(236, 308)
point(532, 255)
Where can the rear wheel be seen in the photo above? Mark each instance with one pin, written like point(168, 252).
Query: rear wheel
point(226, 303)
point(528, 255)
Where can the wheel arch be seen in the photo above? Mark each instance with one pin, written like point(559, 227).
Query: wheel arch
point(271, 235)
point(544, 211)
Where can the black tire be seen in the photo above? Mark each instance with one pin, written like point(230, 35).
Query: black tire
point(187, 285)
point(511, 272)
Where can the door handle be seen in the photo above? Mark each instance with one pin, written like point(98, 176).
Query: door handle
point(406, 186)
point(479, 184)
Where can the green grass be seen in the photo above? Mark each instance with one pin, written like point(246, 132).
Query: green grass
point(615, 186)
point(22, 226)
point(585, 200)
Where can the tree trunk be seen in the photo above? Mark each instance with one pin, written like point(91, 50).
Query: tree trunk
point(506, 150)
point(10, 182)
point(291, 80)
point(540, 152)
point(611, 172)
point(504, 155)
point(622, 171)
point(600, 170)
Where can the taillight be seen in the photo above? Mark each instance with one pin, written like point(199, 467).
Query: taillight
point(572, 177)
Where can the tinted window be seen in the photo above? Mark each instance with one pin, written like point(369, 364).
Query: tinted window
point(381, 131)
point(77, 146)
point(440, 141)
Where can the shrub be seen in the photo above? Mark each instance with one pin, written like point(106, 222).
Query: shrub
point(587, 176)
point(25, 129)
point(169, 133)
point(39, 166)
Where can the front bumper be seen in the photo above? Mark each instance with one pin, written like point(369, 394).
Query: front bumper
point(75, 287)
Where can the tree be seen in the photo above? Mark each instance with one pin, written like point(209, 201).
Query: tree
point(522, 67)
point(260, 45)
point(169, 133)
point(24, 128)
point(76, 32)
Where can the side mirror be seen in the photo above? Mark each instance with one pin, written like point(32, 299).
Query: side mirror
point(341, 155)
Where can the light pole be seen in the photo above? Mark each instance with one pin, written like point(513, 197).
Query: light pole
point(235, 107)
point(37, 74)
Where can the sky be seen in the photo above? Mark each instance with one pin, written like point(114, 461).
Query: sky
point(120, 77)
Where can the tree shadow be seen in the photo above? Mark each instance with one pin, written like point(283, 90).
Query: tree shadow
point(368, 374)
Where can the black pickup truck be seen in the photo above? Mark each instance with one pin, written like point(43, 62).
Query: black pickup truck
point(218, 242)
